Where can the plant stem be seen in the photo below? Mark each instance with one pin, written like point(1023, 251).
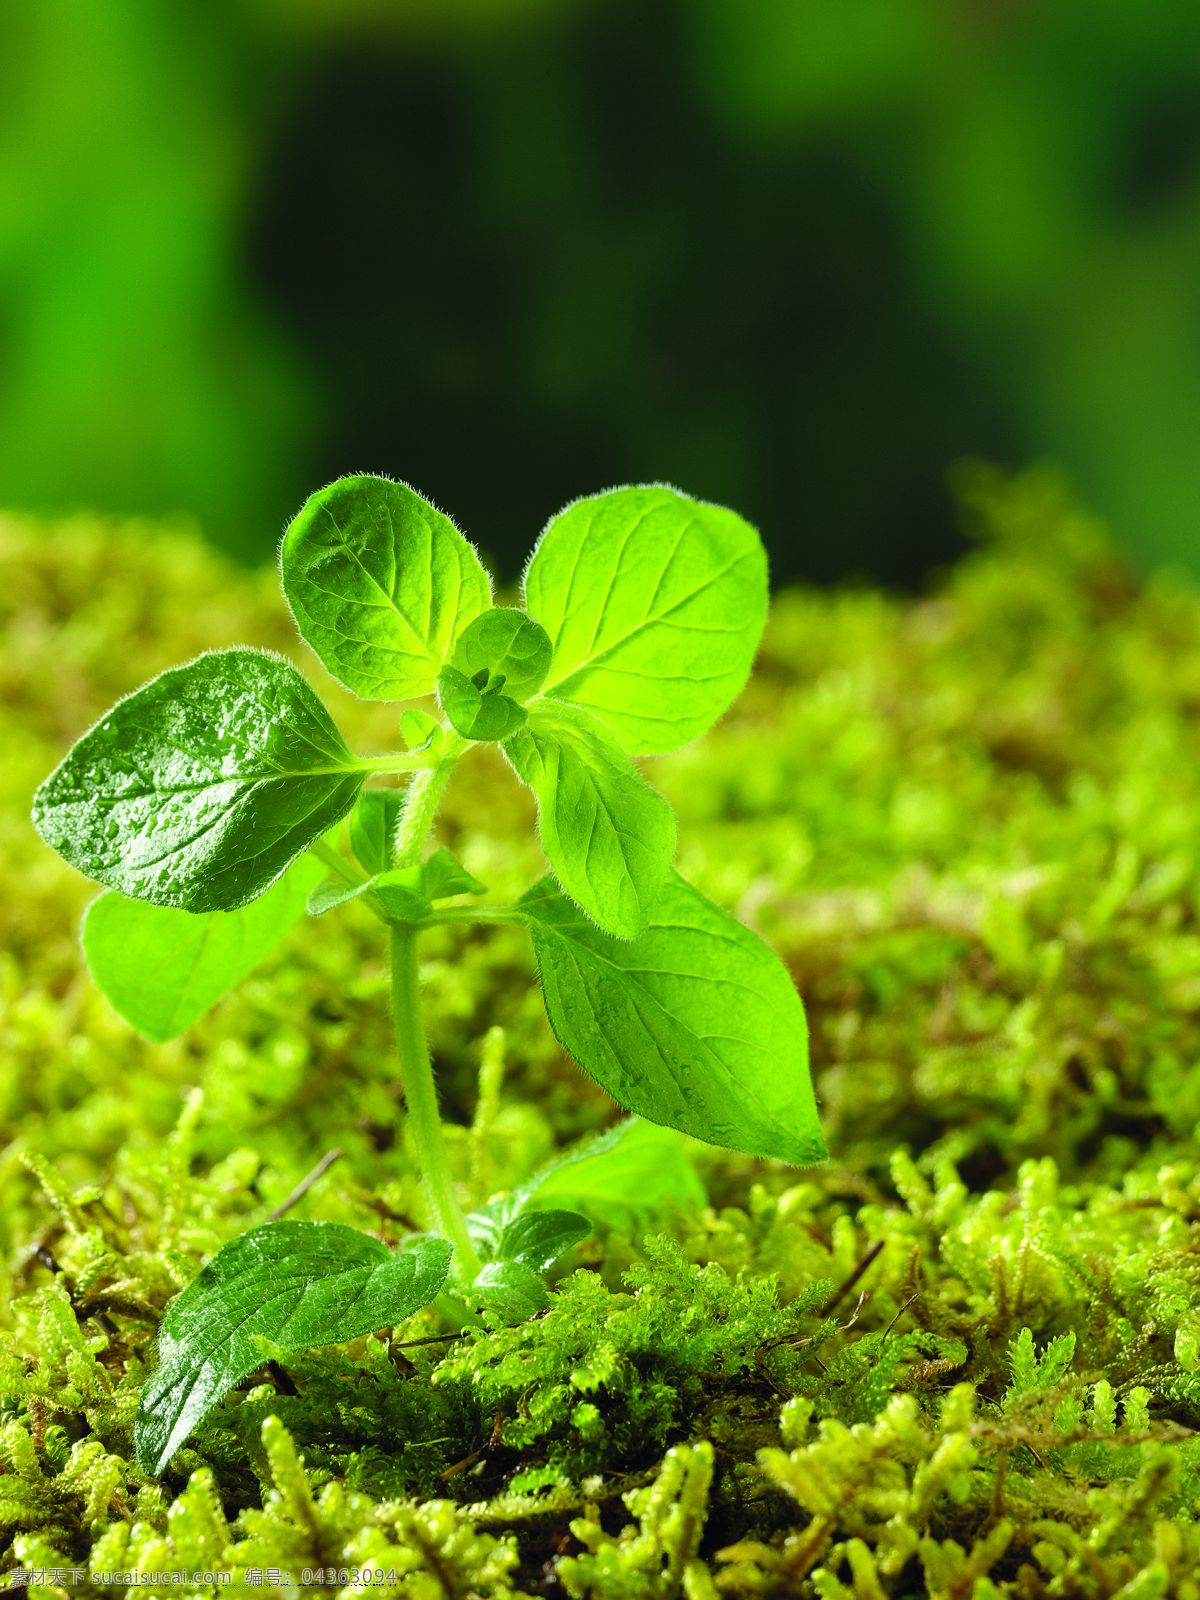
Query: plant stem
point(421, 1098)
point(416, 762)
point(421, 802)
point(462, 914)
point(336, 862)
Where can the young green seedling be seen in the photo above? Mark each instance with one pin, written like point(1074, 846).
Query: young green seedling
point(205, 802)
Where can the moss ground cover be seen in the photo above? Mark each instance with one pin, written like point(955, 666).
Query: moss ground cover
point(971, 825)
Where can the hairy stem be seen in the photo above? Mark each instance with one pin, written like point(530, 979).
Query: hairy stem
point(414, 762)
point(421, 1098)
point(476, 914)
point(421, 801)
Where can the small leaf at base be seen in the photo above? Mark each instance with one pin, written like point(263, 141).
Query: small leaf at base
point(295, 1284)
point(511, 1289)
point(537, 1238)
point(637, 1169)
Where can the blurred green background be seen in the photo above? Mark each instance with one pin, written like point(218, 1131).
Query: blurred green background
point(793, 255)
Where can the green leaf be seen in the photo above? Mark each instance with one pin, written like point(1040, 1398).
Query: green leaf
point(418, 729)
point(655, 605)
point(381, 585)
point(445, 875)
point(402, 892)
point(292, 1284)
point(608, 836)
point(503, 1231)
point(200, 788)
point(506, 642)
point(512, 1289)
point(373, 825)
point(487, 1223)
point(645, 1169)
point(633, 1171)
point(694, 1024)
point(536, 1238)
point(477, 710)
point(399, 891)
point(160, 968)
point(332, 893)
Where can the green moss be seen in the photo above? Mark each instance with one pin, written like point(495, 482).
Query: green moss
point(971, 824)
